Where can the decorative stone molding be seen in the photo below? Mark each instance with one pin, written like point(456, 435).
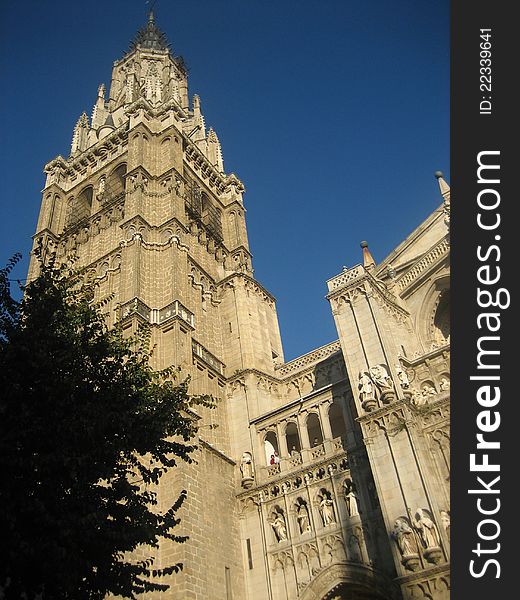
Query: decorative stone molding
point(298, 480)
point(308, 359)
point(431, 258)
point(203, 282)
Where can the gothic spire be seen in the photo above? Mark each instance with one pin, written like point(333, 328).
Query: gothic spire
point(150, 37)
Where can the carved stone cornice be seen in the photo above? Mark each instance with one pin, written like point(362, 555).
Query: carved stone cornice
point(250, 282)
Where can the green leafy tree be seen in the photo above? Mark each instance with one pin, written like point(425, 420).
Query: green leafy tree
point(87, 429)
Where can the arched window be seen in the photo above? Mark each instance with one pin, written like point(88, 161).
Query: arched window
point(115, 185)
point(314, 430)
point(293, 438)
point(336, 420)
point(81, 207)
point(271, 447)
point(211, 216)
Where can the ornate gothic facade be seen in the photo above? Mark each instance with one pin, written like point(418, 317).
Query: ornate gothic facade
point(327, 476)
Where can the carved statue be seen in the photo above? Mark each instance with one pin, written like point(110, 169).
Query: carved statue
point(426, 528)
point(403, 535)
point(418, 398)
point(444, 385)
point(279, 527)
point(101, 188)
point(302, 516)
point(381, 378)
point(246, 466)
point(352, 502)
point(403, 377)
point(365, 385)
point(446, 522)
point(327, 510)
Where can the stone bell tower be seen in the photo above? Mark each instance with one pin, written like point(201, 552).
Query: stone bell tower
point(320, 478)
point(145, 204)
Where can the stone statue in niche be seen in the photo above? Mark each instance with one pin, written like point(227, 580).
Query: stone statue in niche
point(404, 537)
point(246, 468)
point(279, 526)
point(383, 382)
point(101, 189)
point(428, 534)
point(426, 528)
point(446, 522)
point(366, 391)
point(444, 384)
point(402, 376)
point(302, 517)
point(326, 508)
point(351, 499)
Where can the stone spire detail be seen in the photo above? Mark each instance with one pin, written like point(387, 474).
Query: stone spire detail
point(150, 37)
point(79, 137)
point(368, 260)
point(215, 150)
point(99, 110)
point(445, 193)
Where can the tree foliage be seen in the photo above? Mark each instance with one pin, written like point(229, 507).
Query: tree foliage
point(87, 429)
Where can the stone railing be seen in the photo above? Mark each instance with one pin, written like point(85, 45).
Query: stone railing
point(345, 277)
point(176, 309)
point(207, 357)
point(135, 307)
point(307, 359)
point(156, 316)
point(305, 459)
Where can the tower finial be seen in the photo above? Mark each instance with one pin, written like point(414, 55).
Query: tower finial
point(446, 195)
point(151, 7)
point(443, 186)
point(368, 260)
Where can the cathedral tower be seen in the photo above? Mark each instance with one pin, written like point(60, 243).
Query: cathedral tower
point(320, 477)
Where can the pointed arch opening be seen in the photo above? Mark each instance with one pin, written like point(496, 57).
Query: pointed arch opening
point(271, 448)
point(314, 430)
point(292, 437)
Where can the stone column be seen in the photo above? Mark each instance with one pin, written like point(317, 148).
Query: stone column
point(282, 441)
point(304, 435)
point(325, 423)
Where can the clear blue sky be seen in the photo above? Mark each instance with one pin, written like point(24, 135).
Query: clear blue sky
point(335, 115)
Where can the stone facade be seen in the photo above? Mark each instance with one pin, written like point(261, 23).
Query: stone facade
point(327, 476)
